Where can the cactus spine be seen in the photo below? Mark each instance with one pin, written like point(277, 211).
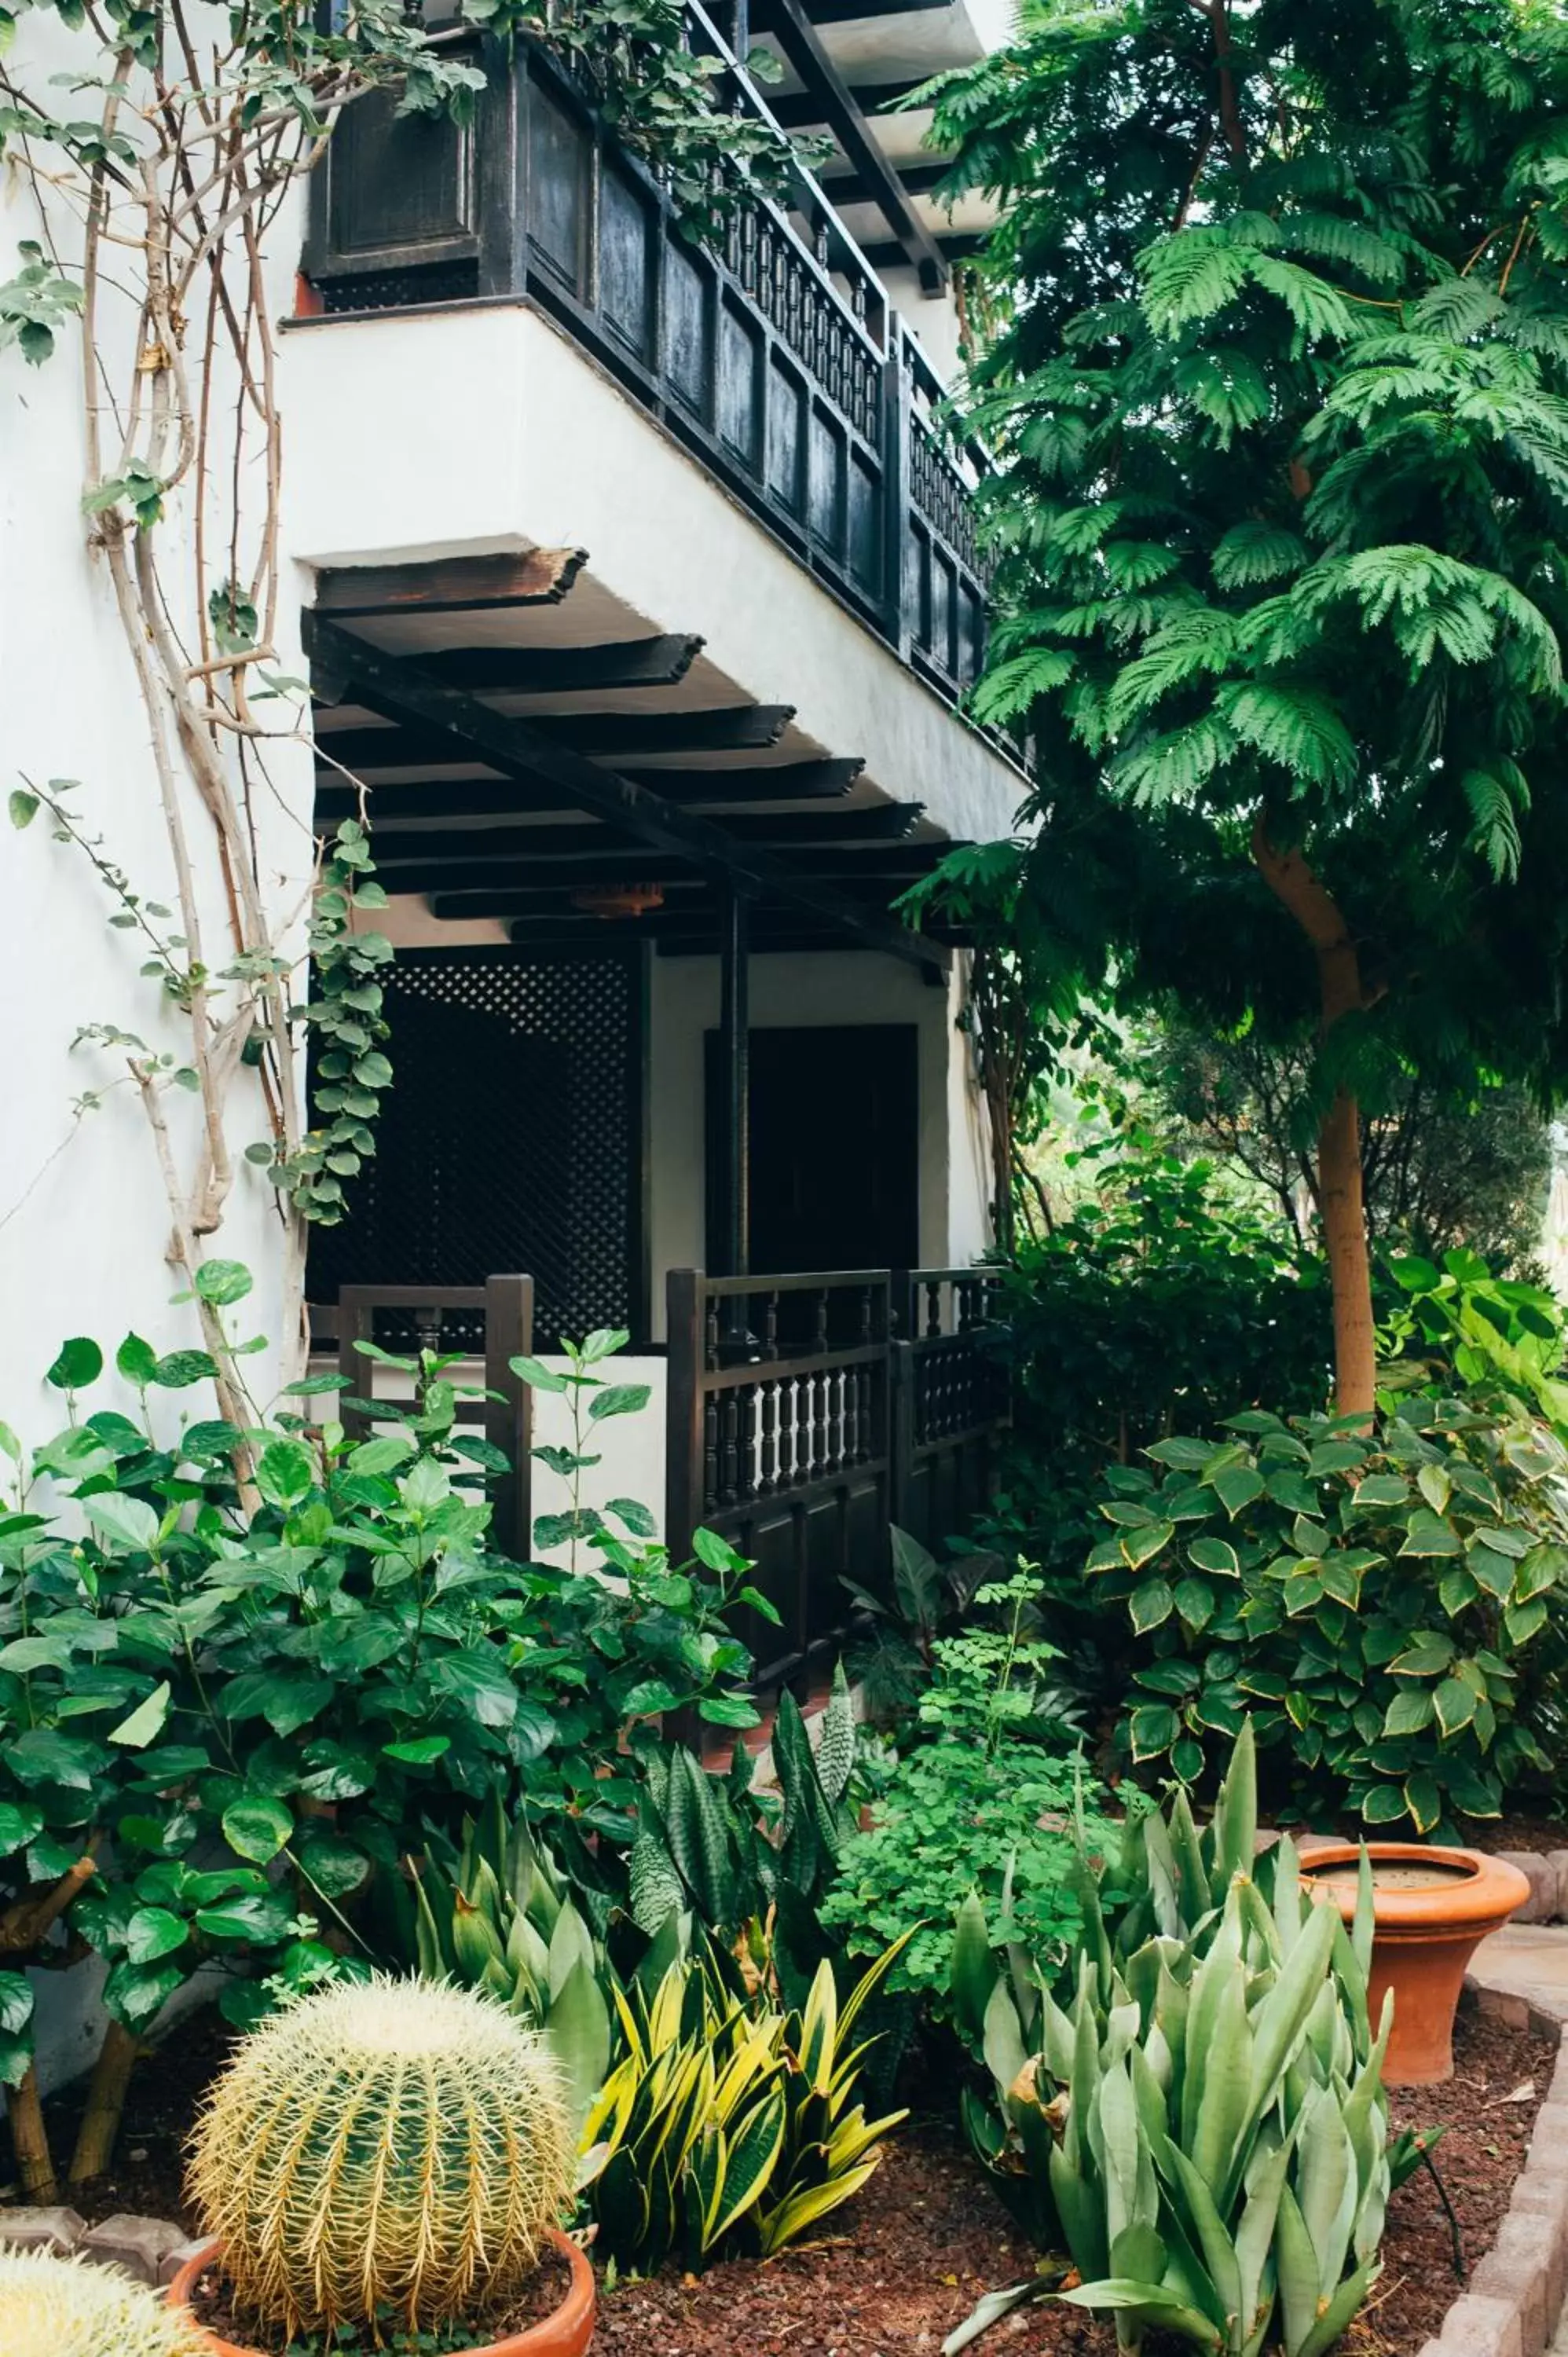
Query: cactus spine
point(385, 2149)
point(51, 2306)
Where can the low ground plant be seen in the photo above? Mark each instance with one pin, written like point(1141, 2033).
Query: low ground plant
point(983, 1797)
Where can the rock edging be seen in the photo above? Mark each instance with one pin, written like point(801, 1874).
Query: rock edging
point(1515, 2298)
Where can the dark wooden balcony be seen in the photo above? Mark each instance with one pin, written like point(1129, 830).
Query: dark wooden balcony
point(774, 357)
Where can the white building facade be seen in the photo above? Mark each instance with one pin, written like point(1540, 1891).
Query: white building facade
point(635, 585)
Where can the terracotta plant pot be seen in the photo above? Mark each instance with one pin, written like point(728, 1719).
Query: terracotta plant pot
point(1431, 1909)
point(566, 2333)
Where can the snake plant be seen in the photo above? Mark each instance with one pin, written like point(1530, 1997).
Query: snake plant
point(728, 2124)
point(498, 1915)
point(1204, 2132)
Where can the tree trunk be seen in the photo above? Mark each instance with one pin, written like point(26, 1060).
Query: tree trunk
point(105, 2101)
point(1340, 1201)
point(30, 2142)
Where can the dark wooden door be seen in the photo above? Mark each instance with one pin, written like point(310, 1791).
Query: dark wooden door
point(834, 1148)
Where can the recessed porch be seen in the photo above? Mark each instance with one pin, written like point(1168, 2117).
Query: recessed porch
point(653, 1016)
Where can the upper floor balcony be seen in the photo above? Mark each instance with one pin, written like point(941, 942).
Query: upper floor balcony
point(773, 355)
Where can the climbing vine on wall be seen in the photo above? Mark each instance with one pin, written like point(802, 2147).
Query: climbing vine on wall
point(157, 165)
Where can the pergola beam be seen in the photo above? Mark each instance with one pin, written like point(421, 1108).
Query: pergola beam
point(802, 45)
point(401, 691)
point(492, 881)
point(460, 800)
point(453, 585)
point(566, 670)
point(732, 728)
point(552, 846)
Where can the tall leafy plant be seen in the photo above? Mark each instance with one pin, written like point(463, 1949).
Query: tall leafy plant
point(1279, 534)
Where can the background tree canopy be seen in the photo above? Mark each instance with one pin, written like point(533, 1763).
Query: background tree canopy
point(1280, 400)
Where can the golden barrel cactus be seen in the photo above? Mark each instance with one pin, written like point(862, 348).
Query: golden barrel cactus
point(387, 2148)
point(63, 2307)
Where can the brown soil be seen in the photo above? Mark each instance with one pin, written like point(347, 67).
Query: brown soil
point(927, 2237)
point(914, 2254)
point(212, 2305)
point(1521, 1833)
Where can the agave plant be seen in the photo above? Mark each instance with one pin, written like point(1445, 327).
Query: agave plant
point(1205, 2132)
point(498, 1915)
point(51, 2306)
point(729, 2123)
point(384, 2148)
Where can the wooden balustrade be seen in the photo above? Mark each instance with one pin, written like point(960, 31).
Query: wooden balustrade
point(806, 1416)
point(772, 354)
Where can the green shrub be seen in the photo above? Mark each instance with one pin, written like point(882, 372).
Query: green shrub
point(983, 1798)
point(241, 1655)
point(1367, 1596)
point(1205, 2132)
point(1157, 1305)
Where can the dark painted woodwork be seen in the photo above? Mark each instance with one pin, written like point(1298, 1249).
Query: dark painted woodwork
point(739, 728)
point(733, 728)
point(398, 806)
point(400, 689)
point(536, 576)
point(548, 847)
point(495, 1322)
point(552, 1052)
point(771, 356)
point(837, 1426)
point(560, 671)
point(790, 25)
point(916, 179)
point(505, 887)
point(729, 1104)
point(801, 110)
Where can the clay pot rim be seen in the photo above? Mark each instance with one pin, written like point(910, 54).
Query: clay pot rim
point(565, 2332)
point(1489, 1894)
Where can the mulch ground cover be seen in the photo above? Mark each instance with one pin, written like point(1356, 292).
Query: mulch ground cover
point(909, 2260)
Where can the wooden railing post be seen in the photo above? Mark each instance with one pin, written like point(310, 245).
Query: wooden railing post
point(683, 1411)
point(509, 1419)
point(901, 1431)
point(354, 1321)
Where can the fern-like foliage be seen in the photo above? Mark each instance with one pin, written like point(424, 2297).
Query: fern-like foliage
point(1281, 530)
point(394, 2147)
point(51, 2306)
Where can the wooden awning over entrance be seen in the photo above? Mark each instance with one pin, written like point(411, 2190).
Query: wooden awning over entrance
point(539, 756)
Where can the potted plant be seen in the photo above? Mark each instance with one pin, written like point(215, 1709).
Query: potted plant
point(1431, 1911)
point(387, 2157)
point(51, 2306)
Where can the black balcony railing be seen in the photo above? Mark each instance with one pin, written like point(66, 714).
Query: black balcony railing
point(772, 354)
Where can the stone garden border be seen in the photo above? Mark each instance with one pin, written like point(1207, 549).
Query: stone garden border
point(1514, 2300)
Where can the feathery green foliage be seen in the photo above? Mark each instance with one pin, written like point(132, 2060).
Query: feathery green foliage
point(51, 2306)
point(385, 2148)
point(1281, 532)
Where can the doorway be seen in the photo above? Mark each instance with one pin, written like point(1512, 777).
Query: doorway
point(834, 1117)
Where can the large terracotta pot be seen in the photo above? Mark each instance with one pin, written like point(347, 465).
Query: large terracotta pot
point(1431, 1909)
point(566, 2333)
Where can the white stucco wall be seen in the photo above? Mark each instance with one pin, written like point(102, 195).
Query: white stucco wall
point(83, 1216)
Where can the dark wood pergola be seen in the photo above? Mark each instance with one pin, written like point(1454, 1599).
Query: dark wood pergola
point(573, 787)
